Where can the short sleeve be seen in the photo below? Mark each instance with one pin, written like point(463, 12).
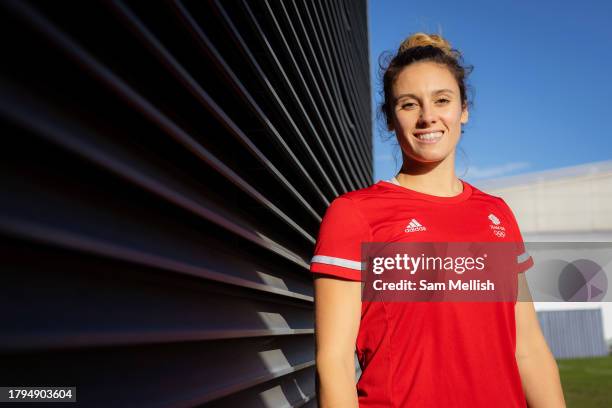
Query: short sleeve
point(524, 261)
point(338, 248)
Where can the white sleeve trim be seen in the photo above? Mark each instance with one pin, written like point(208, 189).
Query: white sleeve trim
point(523, 257)
point(330, 260)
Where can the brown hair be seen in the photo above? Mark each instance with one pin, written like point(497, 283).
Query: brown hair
point(422, 47)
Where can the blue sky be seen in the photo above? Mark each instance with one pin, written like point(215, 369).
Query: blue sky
point(542, 80)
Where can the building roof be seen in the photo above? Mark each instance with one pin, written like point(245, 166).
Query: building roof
point(601, 167)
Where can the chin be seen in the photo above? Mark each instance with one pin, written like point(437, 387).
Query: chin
point(431, 160)
point(428, 158)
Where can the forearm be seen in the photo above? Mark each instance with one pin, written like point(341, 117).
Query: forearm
point(540, 379)
point(337, 383)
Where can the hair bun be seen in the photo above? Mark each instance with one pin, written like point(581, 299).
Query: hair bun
point(421, 39)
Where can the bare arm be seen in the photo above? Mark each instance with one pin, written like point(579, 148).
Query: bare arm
point(337, 317)
point(537, 366)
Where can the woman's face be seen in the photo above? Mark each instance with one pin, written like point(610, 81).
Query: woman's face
point(426, 99)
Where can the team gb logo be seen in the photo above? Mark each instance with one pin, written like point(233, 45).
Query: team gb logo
point(498, 230)
point(494, 219)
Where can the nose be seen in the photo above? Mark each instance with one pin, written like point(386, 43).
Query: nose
point(426, 116)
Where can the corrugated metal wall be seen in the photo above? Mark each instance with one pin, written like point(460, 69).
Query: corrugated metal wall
point(165, 168)
point(574, 333)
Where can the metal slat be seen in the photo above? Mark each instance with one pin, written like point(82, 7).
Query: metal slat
point(121, 319)
point(214, 55)
point(332, 113)
point(309, 30)
point(153, 113)
point(328, 43)
point(360, 118)
point(337, 135)
point(65, 239)
point(191, 373)
point(196, 90)
point(341, 57)
point(281, 104)
point(168, 166)
point(295, 391)
point(331, 108)
point(54, 130)
point(358, 69)
point(348, 176)
point(321, 44)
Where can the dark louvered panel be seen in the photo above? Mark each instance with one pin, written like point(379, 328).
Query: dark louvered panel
point(164, 172)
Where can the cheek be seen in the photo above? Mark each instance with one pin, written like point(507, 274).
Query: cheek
point(452, 119)
point(405, 120)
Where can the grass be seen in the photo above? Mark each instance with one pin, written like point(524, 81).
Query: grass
point(587, 382)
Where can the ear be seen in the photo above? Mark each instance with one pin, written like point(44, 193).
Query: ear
point(465, 114)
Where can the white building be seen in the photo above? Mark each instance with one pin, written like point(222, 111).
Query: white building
point(570, 204)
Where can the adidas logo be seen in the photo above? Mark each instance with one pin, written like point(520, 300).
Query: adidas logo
point(413, 226)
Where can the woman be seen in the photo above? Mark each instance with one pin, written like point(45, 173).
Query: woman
point(424, 354)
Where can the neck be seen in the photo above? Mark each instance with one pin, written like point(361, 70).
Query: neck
point(436, 178)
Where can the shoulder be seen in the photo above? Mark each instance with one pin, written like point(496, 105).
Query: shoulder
point(500, 204)
point(493, 199)
point(350, 209)
point(357, 198)
point(362, 193)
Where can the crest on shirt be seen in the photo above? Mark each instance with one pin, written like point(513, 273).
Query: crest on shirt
point(498, 229)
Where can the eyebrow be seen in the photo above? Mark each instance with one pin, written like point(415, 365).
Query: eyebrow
point(416, 97)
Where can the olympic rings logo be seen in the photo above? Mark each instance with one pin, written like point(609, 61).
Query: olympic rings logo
point(499, 233)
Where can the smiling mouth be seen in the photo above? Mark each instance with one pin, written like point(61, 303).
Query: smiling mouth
point(430, 137)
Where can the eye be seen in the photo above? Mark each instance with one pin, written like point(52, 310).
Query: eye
point(408, 104)
point(444, 100)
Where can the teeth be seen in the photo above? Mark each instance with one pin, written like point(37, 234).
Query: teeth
point(430, 136)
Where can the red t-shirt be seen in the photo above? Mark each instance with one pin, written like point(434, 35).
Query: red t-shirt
point(426, 354)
